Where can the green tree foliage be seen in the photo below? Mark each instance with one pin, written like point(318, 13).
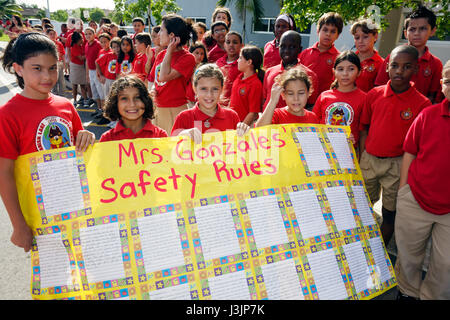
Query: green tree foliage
point(59, 15)
point(307, 12)
point(9, 8)
point(125, 12)
point(96, 14)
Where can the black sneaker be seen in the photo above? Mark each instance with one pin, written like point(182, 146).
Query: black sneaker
point(404, 297)
point(103, 120)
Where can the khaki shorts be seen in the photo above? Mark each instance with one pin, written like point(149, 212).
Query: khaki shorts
point(381, 174)
point(165, 117)
point(413, 229)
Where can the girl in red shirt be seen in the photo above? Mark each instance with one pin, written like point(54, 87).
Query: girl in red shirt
point(365, 34)
point(294, 86)
point(126, 57)
point(77, 74)
point(172, 70)
point(247, 92)
point(207, 115)
point(33, 120)
point(198, 49)
point(342, 104)
point(130, 104)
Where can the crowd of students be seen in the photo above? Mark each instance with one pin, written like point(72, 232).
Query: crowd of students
point(182, 79)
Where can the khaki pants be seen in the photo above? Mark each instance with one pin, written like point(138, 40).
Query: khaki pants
point(381, 174)
point(413, 228)
point(165, 117)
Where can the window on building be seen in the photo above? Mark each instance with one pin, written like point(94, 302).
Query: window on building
point(267, 25)
point(197, 19)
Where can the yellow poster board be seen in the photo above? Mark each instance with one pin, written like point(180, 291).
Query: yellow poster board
point(279, 213)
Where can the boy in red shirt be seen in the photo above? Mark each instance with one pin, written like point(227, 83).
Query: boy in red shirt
point(420, 25)
point(219, 30)
point(423, 203)
point(141, 41)
point(320, 57)
point(386, 117)
point(290, 47)
point(228, 64)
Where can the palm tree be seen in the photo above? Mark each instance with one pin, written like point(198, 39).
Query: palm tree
point(242, 6)
point(9, 8)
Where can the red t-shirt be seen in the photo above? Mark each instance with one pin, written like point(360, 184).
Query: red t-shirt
point(103, 51)
point(108, 65)
point(92, 51)
point(369, 71)
point(61, 51)
point(269, 80)
point(246, 95)
point(341, 108)
point(321, 63)
point(190, 94)
point(224, 119)
point(216, 53)
point(126, 67)
point(28, 125)
point(119, 132)
point(172, 93)
point(426, 80)
point(282, 115)
point(271, 54)
point(429, 174)
point(75, 52)
point(389, 116)
point(231, 72)
point(139, 66)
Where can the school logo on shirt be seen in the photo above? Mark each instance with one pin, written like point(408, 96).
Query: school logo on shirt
point(126, 67)
point(157, 73)
point(329, 61)
point(370, 68)
point(53, 132)
point(339, 114)
point(406, 114)
point(427, 72)
point(242, 91)
point(112, 66)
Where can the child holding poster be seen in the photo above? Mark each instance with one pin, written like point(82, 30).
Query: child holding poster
point(207, 115)
point(34, 119)
point(130, 104)
point(294, 86)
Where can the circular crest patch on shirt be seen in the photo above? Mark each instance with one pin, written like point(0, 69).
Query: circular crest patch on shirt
point(406, 114)
point(370, 68)
point(157, 73)
point(339, 114)
point(112, 66)
point(427, 72)
point(126, 67)
point(329, 61)
point(242, 91)
point(53, 132)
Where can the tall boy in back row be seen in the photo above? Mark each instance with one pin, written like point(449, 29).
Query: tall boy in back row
point(419, 26)
point(320, 57)
point(387, 114)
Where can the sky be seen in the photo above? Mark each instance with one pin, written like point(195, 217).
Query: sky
point(67, 5)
